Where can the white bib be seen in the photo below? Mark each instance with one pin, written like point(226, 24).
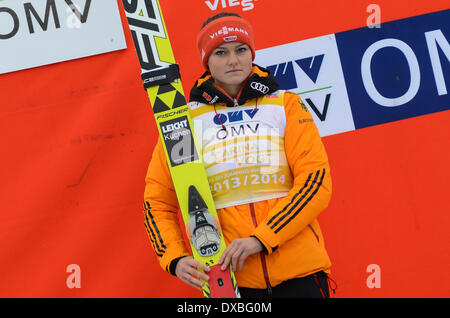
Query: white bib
point(246, 162)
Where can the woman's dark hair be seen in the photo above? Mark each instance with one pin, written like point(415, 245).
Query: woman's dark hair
point(218, 16)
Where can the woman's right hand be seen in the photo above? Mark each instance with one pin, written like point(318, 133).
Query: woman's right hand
point(187, 271)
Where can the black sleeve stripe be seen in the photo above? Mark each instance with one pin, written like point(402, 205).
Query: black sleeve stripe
point(150, 233)
point(153, 228)
point(152, 236)
point(154, 225)
point(155, 248)
point(297, 202)
point(292, 200)
point(318, 185)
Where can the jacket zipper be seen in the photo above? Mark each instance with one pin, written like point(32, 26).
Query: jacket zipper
point(235, 100)
point(263, 257)
point(236, 103)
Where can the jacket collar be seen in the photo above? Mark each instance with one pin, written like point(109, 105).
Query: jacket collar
point(259, 83)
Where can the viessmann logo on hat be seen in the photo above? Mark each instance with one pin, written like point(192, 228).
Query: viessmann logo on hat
point(227, 30)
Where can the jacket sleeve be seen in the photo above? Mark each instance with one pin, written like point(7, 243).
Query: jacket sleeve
point(311, 191)
point(161, 212)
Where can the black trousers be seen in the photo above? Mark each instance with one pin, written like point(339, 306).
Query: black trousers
point(312, 286)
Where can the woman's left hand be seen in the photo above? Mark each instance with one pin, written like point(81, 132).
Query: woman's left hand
point(238, 251)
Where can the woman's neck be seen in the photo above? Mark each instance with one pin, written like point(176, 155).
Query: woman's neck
point(231, 90)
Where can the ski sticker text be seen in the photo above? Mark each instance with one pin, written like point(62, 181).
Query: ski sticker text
point(145, 24)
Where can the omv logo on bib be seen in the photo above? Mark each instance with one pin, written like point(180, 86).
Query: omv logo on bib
point(366, 77)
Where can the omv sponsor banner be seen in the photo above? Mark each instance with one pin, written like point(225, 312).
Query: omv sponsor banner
point(41, 32)
point(368, 76)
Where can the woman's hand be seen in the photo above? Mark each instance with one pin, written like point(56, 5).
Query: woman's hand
point(238, 251)
point(187, 271)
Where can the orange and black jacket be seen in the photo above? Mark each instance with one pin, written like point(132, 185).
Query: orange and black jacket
point(286, 226)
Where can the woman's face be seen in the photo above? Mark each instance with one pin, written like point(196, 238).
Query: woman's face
point(230, 64)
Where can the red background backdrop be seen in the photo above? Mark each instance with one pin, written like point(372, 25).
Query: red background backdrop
point(77, 138)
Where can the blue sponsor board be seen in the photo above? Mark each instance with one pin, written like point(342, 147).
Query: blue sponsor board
point(368, 76)
point(399, 70)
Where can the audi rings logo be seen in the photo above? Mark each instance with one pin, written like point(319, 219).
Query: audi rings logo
point(259, 87)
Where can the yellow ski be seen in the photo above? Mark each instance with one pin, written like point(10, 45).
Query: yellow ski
point(161, 79)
